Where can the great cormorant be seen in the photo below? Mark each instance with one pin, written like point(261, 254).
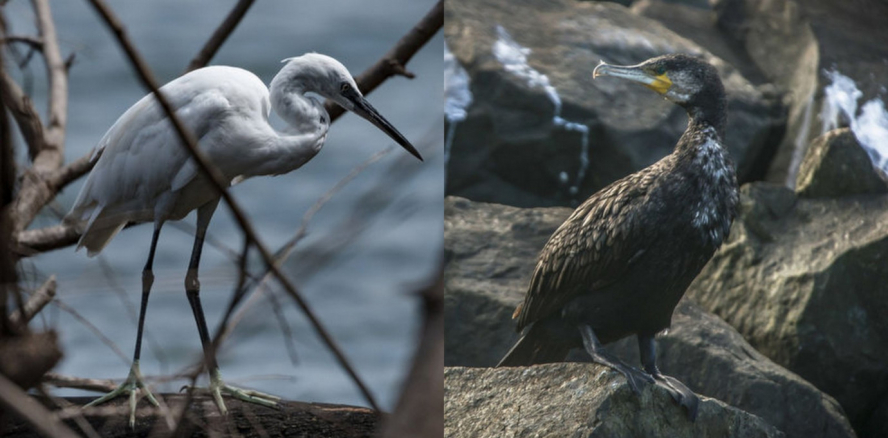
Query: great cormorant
point(620, 263)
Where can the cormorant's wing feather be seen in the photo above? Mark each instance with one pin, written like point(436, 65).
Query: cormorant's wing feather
point(594, 247)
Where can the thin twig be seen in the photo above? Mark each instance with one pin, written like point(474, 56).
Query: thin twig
point(220, 184)
point(62, 381)
point(39, 299)
point(80, 420)
point(86, 323)
point(284, 252)
point(33, 42)
point(394, 62)
point(220, 35)
point(14, 399)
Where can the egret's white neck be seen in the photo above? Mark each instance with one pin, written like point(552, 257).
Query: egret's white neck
point(305, 114)
point(308, 120)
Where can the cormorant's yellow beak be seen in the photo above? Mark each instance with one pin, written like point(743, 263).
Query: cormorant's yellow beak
point(659, 83)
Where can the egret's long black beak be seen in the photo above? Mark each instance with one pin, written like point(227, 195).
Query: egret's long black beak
point(361, 107)
point(659, 83)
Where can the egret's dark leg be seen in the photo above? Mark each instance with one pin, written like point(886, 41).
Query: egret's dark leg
point(134, 381)
point(679, 392)
point(593, 346)
point(192, 290)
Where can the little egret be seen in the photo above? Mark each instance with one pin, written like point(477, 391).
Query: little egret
point(145, 174)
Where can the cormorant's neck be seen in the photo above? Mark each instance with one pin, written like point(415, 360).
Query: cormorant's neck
point(710, 110)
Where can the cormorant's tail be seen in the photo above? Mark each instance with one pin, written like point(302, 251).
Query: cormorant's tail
point(534, 347)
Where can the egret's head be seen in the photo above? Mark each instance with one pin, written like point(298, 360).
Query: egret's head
point(680, 78)
point(329, 78)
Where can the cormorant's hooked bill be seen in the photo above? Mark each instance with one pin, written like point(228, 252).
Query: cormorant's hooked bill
point(642, 73)
point(362, 107)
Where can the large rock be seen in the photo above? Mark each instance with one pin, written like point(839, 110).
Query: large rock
point(836, 165)
point(491, 250)
point(578, 400)
point(794, 43)
point(804, 281)
point(711, 357)
point(510, 149)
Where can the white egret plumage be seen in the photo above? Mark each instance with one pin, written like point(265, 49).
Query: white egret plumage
point(145, 174)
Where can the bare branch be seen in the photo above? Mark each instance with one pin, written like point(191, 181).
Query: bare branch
point(284, 252)
point(71, 172)
point(97, 385)
point(221, 186)
point(41, 297)
point(51, 157)
point(47, 149)
point(394, 62)
point(25, 114)
point(220, 35)
point(33, 42)
point(16, 400)
point(32, 242)
point(420, 409)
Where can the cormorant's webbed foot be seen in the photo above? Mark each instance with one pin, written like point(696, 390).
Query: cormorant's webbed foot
point(635, 377)
point(679, 392)
point(131, 387)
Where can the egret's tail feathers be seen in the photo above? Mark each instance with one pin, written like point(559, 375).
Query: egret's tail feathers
point(96, 231)
point(534, 347)
point(95, 239)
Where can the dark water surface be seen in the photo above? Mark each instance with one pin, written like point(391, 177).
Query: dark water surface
point(362, 291)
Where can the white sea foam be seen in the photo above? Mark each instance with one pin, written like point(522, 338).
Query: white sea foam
point(457, 97)
point(513, 56)
point(870, 127)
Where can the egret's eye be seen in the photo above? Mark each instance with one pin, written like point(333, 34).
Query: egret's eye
point(344, 87)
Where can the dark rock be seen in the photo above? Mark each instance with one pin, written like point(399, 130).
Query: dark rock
point(794, 43)
point(711, 357)
point(578, 400)
point(491, 251)
point(804, 281)
point(510, 150)
point(878, 422)
point(835, 165)
point(697, 22)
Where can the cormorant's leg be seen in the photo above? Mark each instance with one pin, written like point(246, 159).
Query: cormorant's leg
point(679, 392)
point(594, 348)
point(134, 382)
point(192, 290)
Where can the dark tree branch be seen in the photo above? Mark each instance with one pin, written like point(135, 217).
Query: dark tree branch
point(221, 187)
point(14, 399)
point(420, 409)
point(220, 35)
point(25, 114)
point(33, 42)
point(393, 63)
point(47, 150)
point(39, 299)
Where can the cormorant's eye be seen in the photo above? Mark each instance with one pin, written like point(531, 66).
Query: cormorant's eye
point(344, 87)
point(660, 69)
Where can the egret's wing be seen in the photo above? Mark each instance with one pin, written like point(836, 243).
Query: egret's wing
point(591, 249)
point(142, 154)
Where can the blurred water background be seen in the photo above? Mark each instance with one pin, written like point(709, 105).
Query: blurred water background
point(366, 251)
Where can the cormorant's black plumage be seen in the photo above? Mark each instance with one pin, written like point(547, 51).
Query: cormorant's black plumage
point(620, 263)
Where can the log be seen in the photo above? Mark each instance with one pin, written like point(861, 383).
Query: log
point(202, 418)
